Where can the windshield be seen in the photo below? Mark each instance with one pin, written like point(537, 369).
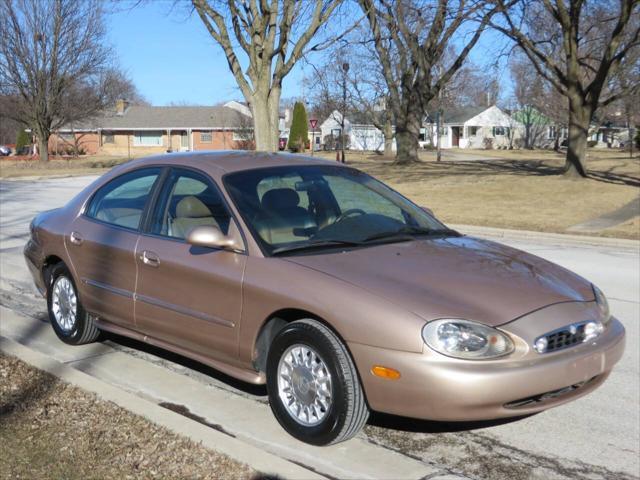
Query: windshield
point(313, 207)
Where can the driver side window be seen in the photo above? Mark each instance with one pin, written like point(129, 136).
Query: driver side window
point(188, 200)
point(354, 195)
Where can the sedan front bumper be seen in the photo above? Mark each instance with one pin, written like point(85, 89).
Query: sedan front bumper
point(435, 387)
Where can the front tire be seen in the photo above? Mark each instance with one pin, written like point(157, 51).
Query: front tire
point(313, 385)
point(70, 321)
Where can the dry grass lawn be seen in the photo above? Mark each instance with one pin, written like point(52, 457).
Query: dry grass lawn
point(515, 189)
point(95, 164)
point(52, 430)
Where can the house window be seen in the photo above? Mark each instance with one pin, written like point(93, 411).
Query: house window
point(67, 137)
point(147, 139)
point(444, 131)
point(206, 137)
point(473, 131)
point(423, 134)
point(107, 137)
point(241, 136)
point(499, 131)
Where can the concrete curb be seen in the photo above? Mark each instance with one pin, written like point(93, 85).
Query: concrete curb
point(545, 236)
point(256, 458)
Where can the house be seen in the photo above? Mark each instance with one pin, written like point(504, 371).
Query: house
point(472, 127)
point(141, 130)
point(361, 135)
point(612, 132)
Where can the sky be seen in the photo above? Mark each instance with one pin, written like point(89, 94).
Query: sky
point(172, 59)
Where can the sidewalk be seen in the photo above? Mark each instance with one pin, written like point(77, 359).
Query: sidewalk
point(248, 431)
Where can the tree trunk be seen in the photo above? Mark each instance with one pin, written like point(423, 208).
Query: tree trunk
point(407, 143)
point(388, 139)
point(265, 109)
point(43, 146)
point(408, 135)
point(579, 118)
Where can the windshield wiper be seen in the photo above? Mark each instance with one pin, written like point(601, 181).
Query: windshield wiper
point(319, 244)
point(409, 233)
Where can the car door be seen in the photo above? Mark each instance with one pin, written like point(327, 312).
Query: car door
point(101, 243)
point(189, 296)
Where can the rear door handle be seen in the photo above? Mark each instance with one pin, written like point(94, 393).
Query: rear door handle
point(150, 258)
point(75, 238)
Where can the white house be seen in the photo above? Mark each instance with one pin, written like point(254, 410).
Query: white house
point(361, 136)
point(473, 127)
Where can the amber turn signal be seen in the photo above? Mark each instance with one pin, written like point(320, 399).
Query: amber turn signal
point(385, 372)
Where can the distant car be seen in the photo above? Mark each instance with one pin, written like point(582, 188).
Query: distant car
point(322, 282)
point(5, 151)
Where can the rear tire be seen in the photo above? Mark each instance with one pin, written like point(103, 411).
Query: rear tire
point(70, 321)
point(313, 385)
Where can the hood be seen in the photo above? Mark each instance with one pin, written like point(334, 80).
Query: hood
point(457, 277)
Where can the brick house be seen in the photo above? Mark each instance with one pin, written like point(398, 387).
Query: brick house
point(141, 130)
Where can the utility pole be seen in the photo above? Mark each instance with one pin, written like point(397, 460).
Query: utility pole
point(345, 70)
point(438, 148)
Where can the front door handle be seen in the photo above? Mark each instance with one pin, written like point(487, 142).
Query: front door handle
point(150, 258)
point(75, 238)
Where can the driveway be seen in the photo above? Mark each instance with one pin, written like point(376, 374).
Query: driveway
point(596, 437)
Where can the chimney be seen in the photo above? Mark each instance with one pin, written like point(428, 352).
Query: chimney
point(121, 106)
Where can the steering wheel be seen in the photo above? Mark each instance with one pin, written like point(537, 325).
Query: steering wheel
point(350, 212)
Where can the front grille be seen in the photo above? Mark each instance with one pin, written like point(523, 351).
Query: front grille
point(565, 338)
point(568, 336)
point(545, 397)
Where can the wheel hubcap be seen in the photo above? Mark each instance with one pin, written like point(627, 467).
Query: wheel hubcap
point(304, 385)
point(64, 304)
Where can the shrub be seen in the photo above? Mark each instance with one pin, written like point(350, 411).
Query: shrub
point(637, 139)
point(487, 143)
point(23, 140)
point(592, 143)
point(299, 131)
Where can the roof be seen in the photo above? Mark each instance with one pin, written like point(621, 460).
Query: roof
point(162, 118)
point(462, 115)
point(230, 160)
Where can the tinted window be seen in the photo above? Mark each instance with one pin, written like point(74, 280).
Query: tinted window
point(188, 200)
point(122, 200)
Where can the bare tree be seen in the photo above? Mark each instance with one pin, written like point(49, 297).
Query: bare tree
point(529, 98)
point(9, 127)
point(411, 38)
point(114, 84)
point(578, 46)
point(49, 52)
point(271, 36)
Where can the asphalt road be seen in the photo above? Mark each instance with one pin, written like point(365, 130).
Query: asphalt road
point(596, 437)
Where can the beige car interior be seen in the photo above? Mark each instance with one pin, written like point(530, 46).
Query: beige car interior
point(190, 212)
point(282, 218)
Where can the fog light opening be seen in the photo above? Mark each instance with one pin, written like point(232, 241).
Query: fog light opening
point(385, 372)
point(541, 345)
point(592, 330)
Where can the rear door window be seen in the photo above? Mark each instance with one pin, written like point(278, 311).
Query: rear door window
point(122, 201)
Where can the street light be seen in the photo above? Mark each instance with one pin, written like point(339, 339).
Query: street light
point(345, 70)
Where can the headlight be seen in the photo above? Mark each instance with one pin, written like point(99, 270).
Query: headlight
point(603, 304)
point(466, 339)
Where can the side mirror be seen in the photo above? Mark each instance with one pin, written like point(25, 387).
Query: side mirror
point(212, 237)
point(428, 210)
